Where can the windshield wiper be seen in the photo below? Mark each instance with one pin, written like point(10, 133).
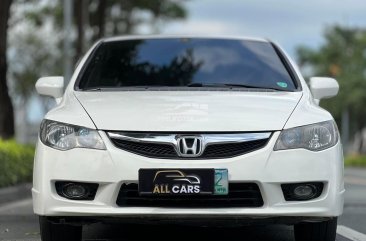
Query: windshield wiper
point(92, 89)
point(222, 85)
point(143, 86)
point(121, 87)
point(232, 86)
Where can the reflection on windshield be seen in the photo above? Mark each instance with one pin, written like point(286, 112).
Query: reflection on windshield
point(183, 62)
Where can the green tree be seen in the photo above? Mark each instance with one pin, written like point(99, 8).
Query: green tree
point(117, 17)
point(342, 56)
point(93, 19)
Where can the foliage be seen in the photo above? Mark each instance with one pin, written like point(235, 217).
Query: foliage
point(342, 56)
point(34, 47)
point(356, 160)
point(36, 32)
point(124, 17)
point(32, 58)
point(16, 163)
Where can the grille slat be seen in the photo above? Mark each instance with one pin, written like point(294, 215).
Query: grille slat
point(146, 149)
point(212, 151)
point(240, 195)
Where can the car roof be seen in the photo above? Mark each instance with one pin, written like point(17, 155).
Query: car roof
point(164, 36)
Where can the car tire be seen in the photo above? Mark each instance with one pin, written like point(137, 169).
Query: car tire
point(319, 231)
point(59, 232)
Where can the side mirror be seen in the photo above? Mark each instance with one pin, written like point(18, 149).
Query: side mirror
point(51, 86)
point(323, 87)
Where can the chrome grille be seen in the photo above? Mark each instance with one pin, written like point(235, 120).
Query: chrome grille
point(166, 146)
point(146, 149)
point(232, 149)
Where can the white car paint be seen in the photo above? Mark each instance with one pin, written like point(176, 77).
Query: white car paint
point(52, 86)
point(323, 87)
point(112, 168)
point(188, 111)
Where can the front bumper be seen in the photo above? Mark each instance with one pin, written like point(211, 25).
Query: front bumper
point(113, 167)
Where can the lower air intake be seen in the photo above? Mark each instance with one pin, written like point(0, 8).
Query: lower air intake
point(240, 195)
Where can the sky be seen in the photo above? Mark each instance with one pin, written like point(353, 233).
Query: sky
point(288, 22)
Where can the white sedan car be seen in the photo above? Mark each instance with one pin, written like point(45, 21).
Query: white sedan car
point(201, 130)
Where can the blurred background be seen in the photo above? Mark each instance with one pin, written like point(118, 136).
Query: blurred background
point(48, 37)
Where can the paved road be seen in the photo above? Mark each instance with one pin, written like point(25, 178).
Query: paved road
point(17, 223)
point(354, 214)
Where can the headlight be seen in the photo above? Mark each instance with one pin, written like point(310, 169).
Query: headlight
point(65, 137)
point(314, 137)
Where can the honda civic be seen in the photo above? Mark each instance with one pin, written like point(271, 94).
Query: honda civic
point(188, 129)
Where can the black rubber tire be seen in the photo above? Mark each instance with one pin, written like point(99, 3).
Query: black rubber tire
point(59, 232)
point(321, 231)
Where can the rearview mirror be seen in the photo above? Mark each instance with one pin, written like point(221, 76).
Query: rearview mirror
point(323, 87)
point(51, 86)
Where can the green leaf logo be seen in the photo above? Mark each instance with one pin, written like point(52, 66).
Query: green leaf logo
point(282, 84)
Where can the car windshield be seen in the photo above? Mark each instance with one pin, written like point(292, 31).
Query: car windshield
point(185, 62)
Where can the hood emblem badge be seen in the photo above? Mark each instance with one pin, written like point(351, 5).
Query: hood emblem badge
point(189, 146)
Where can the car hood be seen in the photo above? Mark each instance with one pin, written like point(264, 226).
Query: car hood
point(189, 111)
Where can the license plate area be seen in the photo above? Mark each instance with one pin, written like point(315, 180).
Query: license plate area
point(179, 182)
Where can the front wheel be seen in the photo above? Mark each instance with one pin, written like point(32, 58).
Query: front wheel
point(59, 232)
point(321, 231)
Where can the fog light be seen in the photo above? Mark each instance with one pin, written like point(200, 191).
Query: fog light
point(302, 191)
point(76, 190)
point(73, 190)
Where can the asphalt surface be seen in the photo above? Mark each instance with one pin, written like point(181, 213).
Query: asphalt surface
point(18, 223)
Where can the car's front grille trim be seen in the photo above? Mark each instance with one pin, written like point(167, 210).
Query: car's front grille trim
point(215, 145)
point(240, 195)
point(146, 149)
